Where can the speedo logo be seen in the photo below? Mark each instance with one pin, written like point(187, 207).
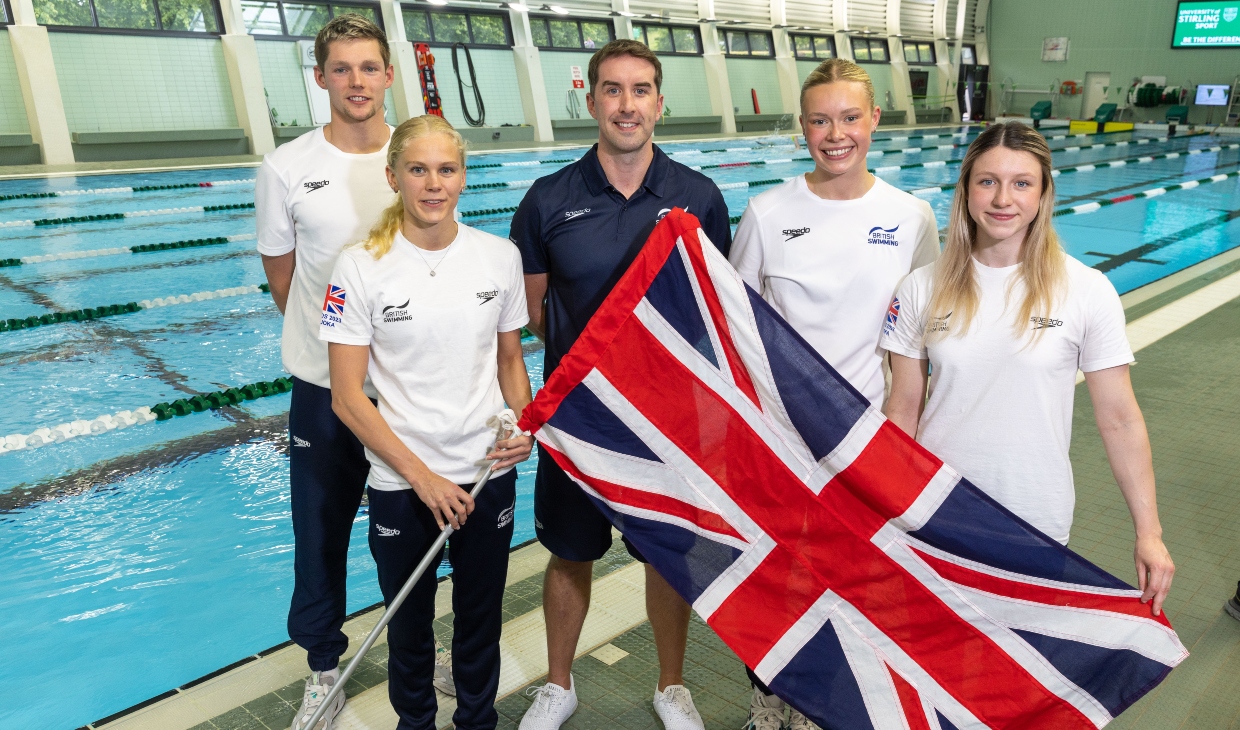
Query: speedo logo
point(386, 531)
point(487, 296)
point(1041, 322)
point(505, 517)
point(792, 233)
point(312, 186)
point(571, 214)
point(879, 236)
point(396, 312)
point(299, 441)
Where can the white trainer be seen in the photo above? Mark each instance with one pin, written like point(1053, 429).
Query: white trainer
point(674, 706)
point(443, 671)
point(766, 712)
point(552, 706)
point(797, 721)
point(317, 687)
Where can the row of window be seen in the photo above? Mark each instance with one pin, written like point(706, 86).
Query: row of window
point(304, 19)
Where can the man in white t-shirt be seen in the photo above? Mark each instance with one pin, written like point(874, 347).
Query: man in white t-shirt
point(313, 196)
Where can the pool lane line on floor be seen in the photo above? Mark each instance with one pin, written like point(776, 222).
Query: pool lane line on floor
point(146, 414)
point(122, 216)
point(141, 248)
point(87, 314)
point(124, 189)
point(1113, 261)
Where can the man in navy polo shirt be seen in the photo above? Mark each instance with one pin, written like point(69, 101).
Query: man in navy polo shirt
point(578, 231)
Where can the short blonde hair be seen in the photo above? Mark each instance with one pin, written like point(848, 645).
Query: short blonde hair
point(379, 242)
point(838, 69)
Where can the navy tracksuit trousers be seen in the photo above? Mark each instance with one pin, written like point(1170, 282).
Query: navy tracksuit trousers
point(328, 470)
point(402, 529)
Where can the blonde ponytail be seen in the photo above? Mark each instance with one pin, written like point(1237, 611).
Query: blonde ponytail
point(381, 236)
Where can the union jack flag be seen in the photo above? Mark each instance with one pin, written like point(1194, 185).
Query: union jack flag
point(862, 579)
point(333, 303)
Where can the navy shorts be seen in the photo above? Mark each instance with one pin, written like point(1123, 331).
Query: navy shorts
point(565, 519)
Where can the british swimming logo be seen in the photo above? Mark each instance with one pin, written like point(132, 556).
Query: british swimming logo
point(663, 213)
point(312, 186)
point(880, 236)
point(397, 312)
point(792, 233)
point(505, 517)
point(893, 314)
point(333, 306)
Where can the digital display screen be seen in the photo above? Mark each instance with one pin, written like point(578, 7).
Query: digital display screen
point(1214, 23)
point(1212, 94)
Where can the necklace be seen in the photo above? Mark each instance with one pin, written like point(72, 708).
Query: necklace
point(441, 259)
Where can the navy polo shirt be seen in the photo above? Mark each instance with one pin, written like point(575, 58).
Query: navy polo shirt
point(579, 230)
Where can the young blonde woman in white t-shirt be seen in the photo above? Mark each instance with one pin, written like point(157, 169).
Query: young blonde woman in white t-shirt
point(1004, 320)
point(431, 310)
point(827, 250)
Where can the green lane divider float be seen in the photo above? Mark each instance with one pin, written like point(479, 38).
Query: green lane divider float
point(192, 243)
point(80, 315)
point(135, 214)
point(221, 398)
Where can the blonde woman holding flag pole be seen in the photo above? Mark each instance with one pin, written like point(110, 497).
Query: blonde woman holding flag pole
point(432, 310)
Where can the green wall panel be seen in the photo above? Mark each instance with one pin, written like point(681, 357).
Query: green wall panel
point(12, 108)
point(684, 83)
point(557, 76)
point(757, 74)
point(129, 83)
point(286, 90)
point(497, 80)
point(1124, 38)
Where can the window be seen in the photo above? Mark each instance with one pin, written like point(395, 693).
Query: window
point(4, 12)
point(295, 19)
point(570, 34)
point(968, 56)
point(668, 38)
point(172, 16)
point(870, 50)
point(813, 46)
point(745, 43)
point(457, 26)
point(919, 52)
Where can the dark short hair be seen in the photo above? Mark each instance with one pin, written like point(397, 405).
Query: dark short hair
point(348, 27)
point(625, 47)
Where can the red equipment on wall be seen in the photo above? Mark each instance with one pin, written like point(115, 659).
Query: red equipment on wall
point(426, 72)
point(753, 93)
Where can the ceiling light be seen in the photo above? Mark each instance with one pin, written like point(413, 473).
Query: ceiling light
point(555, 9)
point(437, 2)
point(519, 7)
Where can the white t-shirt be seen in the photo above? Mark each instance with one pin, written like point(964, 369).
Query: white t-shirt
point(312, 198)
point(829, 267)
point(1000, 407)
point(432, 343)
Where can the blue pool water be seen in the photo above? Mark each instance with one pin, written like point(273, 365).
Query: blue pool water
point(139, 560)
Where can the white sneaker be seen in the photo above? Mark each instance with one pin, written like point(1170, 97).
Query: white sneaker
point(317, 687)
point(443, 671)
point(797, 721)
point(766, 712)
point(674, 706)
point(552, 706)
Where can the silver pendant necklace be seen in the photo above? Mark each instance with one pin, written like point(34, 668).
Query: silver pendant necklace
point(441, 260)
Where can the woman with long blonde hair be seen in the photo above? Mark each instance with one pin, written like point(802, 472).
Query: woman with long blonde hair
point(1004, 320)
point(431, 311)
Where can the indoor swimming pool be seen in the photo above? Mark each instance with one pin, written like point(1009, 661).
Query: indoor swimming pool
point(153, 552)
